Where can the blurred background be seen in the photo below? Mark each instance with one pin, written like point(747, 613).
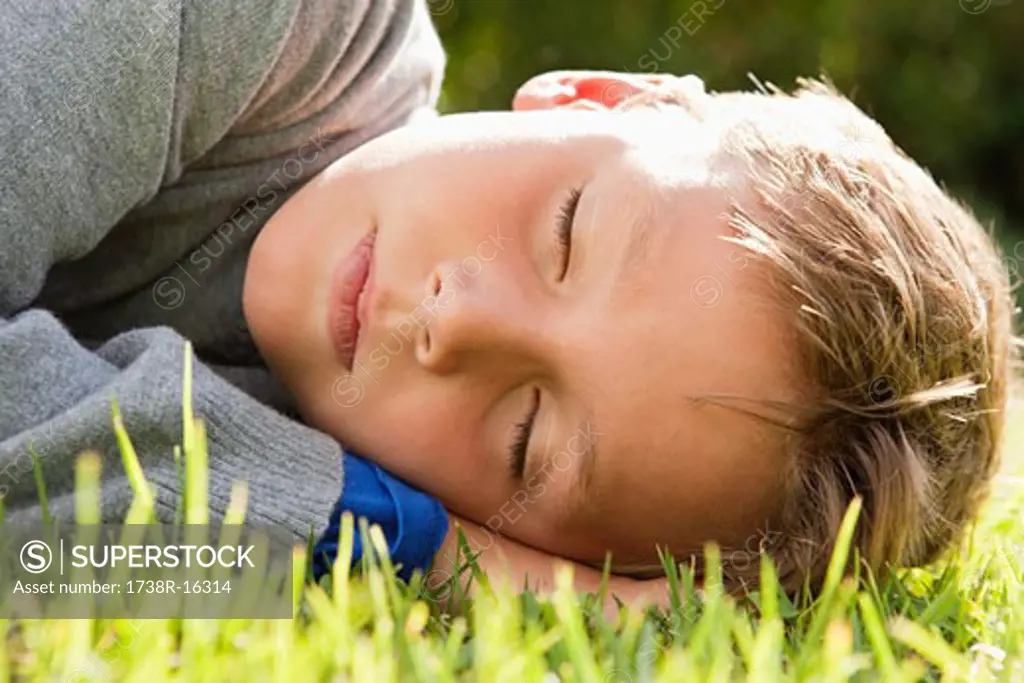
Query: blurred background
point(944, 77)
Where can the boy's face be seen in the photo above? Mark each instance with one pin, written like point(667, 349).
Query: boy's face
point(476, 327)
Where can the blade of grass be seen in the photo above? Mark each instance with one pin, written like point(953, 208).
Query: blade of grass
point(298, 577)
point(380, 547)
point(875, 629)
point(606, 573)
point(87, 488)
point(342, 565)
point(187, 415)
point(930, 646)
point(576, 641)
point(383, 622)
point(235, 513)
point(767, 655)
point(197, 507)
point(231, 530)
point(87, 512)
point(179, 473)
point(144, 499)
point(675, 602)
point(837, 647)
point(141, 509)
point(833, 575)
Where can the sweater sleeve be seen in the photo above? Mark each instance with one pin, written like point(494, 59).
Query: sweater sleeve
point(56, 400)
point(104, 103)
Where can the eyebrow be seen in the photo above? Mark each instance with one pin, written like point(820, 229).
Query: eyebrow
point(640, 240)
point(588, 464)
point(585, 466)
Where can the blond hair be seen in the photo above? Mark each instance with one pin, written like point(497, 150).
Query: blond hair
point(903, 313)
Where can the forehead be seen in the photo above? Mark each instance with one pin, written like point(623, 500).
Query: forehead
point(695, 321)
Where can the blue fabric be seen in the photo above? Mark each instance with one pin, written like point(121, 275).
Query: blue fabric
point(413, 522)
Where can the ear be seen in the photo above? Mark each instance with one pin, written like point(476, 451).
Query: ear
point(585, 89)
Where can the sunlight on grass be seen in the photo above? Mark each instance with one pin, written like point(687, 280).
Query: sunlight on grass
point(960, 620)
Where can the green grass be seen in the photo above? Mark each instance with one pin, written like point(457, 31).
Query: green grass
point(960, 620)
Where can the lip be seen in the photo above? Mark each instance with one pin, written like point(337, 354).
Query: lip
point(351, 289)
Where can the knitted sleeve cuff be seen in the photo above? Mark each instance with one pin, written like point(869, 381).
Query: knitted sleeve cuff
point(413, 522)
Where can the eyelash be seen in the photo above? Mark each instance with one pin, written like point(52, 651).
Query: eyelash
point(563, 229)
point(517, 449)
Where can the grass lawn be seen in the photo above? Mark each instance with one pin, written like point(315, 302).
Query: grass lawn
point(961, 620)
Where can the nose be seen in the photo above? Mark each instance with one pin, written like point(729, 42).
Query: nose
point(476, 314)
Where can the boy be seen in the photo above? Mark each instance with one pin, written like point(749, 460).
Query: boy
point(847, 329)
point(667, 318)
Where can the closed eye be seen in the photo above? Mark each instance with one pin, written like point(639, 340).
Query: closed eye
point(563, 229)
point(521, 440)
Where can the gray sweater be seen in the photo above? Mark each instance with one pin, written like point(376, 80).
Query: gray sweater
point(144, 144)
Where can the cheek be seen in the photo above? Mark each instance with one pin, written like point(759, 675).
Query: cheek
point(418, 437)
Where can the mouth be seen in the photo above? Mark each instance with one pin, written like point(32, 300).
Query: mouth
point(351, 289)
